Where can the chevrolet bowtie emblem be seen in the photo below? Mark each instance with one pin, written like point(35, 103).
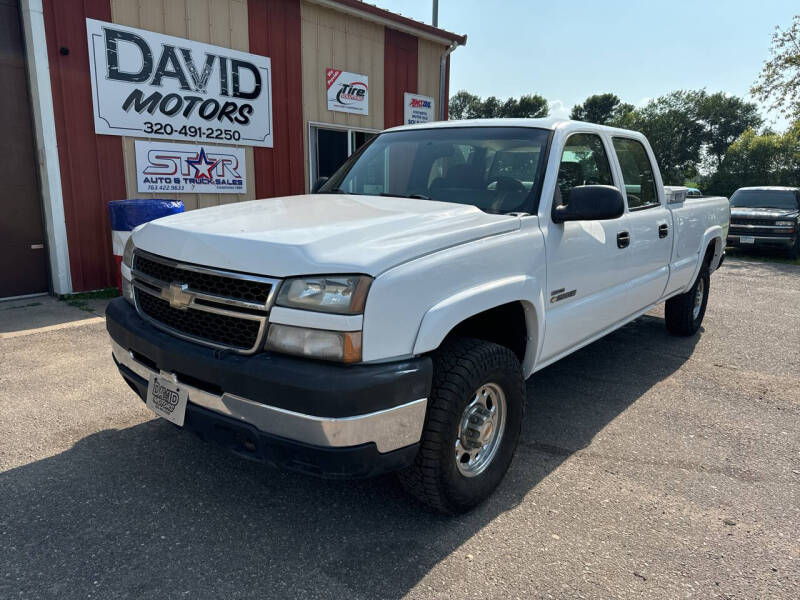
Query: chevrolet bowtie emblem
point(177, 296)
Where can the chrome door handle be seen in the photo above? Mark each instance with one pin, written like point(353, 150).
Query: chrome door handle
point(623, 239)
point(663, 230)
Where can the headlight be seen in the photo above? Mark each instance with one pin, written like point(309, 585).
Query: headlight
point(784, 223)
point(343, 346)
point(127, 255)
point(340, 294)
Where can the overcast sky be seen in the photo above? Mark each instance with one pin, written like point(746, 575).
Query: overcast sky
point(637, 49)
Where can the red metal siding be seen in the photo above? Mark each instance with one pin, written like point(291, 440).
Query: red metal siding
point(399, 74)
point(274, 29)
point(92, 171)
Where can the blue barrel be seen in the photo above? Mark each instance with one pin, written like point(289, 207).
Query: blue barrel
point(129, 214)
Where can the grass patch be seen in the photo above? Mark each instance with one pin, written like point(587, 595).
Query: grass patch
point(81, 300)
point(22, 306)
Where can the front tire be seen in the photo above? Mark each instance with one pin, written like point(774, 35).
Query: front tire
point(684, 313)
point(474, 419)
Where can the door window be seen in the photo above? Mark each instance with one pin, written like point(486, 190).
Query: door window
point(637, 173)
point(583, 162)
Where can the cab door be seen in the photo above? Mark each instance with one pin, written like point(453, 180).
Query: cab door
point(587, 261)
point(650, 222)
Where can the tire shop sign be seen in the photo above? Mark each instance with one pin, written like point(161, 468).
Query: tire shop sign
point(147, 84)
point(347, 92)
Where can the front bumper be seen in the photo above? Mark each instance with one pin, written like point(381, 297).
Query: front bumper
point(775, 241)
point(316, 417)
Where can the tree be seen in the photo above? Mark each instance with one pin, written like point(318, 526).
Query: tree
point(724, 119)
point(767, 159)
point(464, 105)
point(779, 81)
point(602, 109)
point(530, 106)
point(672, 126)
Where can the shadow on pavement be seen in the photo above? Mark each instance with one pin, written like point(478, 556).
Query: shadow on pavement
point(26, 314)
point(151, 511)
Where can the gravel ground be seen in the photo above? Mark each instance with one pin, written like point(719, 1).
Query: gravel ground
point(649, 466)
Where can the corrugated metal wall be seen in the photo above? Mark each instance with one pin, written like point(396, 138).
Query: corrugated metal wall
point(302, 40)
point(339, 41)
point(219, 22)
point(274, 27)
point(400, 74)
point(429, 54)
point(91, 165)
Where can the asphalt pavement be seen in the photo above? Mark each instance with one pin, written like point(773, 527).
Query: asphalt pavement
point(649, 467)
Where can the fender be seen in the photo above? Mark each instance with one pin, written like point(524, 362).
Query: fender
point(441, 318)
point(713, 233)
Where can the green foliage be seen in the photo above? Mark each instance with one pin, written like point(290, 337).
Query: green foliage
point(603, 109)
point(464, 105)
point(753, 159)
point(779, 81)
point(672, 125)
point(724, 119)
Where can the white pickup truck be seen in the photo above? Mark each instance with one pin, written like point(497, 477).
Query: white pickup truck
point(388, 321)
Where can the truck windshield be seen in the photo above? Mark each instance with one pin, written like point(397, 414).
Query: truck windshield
point(497, 169)
point(764, 199)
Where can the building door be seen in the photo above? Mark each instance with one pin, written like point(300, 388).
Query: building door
point(331, 145)
point(23, 258)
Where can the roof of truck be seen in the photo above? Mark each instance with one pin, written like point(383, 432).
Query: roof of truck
point(551, 123)
point(774, 188)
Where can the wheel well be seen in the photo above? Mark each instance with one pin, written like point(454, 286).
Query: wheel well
point(504, 325)
point(710, 252)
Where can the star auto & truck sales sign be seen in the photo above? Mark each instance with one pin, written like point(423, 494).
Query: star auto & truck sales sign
point(189, 168)
point(147, 84)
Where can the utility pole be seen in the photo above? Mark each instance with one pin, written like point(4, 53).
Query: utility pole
point(435, 18)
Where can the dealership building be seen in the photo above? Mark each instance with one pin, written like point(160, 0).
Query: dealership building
point(203, 101)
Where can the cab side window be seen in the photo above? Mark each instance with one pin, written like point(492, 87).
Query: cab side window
point(637, 173)
point(583, 162)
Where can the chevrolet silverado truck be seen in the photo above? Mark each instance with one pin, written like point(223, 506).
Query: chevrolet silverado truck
point(388, 320)
point(766, 217)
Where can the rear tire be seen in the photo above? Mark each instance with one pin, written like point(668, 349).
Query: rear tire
point(471, 431)
point(684, 313)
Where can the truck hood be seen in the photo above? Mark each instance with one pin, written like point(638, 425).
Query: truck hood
point(317, 233)
point(763, 213)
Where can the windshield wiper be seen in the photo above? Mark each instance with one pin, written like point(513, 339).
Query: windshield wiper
point(413, 196)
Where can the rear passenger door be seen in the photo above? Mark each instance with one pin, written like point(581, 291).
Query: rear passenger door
point(649, 220)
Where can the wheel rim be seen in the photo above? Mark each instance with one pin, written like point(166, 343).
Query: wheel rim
point(480, 430)
point(698, 298)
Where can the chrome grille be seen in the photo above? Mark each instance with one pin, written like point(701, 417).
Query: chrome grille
point(752, 222)
point(217, 308)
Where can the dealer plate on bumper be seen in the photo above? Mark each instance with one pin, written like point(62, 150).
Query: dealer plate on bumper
point(167, 399)
point(747, 239)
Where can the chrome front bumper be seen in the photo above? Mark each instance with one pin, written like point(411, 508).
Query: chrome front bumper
point(388, 429)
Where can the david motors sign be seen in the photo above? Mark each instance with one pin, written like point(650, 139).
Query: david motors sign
point(347, 92)
point(189, 168)
point(152, 85)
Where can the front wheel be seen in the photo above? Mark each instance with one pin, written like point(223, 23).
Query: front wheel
point(472, 427)
point(684, 313)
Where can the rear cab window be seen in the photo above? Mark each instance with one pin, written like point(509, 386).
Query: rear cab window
point(638, 174)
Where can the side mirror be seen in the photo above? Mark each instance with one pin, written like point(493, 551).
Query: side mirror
point(318, 184)
point(591, 203)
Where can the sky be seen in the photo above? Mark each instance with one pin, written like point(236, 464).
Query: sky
point(637, 49)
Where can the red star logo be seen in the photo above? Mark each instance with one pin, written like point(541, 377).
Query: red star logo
point(202, 165)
